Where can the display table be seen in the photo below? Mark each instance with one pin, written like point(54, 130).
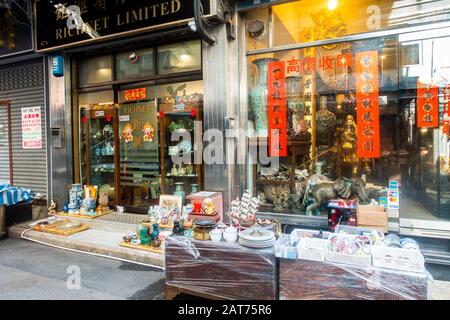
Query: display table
point(219, 270)
point(314, 280)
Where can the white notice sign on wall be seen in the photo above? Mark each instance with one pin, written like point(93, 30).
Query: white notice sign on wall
point(31, 128)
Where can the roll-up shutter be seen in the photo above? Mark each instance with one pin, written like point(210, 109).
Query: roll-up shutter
point(4, 144)
point(23, 86)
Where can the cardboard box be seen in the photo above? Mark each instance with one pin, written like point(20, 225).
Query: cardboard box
point(372, 217)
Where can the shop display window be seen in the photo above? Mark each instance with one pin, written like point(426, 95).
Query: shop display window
point(354, 117)
point(97, 140)
point(180, 106)
point(180, 57)
point(313, 20)
point(95, 70)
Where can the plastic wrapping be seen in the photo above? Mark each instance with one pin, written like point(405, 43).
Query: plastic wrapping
point(221, 269)
point(323, 280)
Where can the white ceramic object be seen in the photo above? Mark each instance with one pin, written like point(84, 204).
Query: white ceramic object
point(215, 235)
point(230, 236)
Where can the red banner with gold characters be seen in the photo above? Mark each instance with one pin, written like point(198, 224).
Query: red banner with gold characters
point(135, 94)
point(368, 113)
point(427, 105)
point(277, 109)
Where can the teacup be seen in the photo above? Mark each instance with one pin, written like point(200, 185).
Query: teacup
point(215, 235)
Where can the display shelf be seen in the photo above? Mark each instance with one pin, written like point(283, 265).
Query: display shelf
point(273, 182)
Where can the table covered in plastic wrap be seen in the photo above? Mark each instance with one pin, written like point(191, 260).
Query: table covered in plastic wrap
point(317, 280)
point(219, 270)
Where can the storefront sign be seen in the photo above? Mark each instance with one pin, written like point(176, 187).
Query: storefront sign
point(73, 22)
point(277, 109)
point(136, 94)
point(427, 105)
point(31, 128)
point(15, 28)
point(367, 97)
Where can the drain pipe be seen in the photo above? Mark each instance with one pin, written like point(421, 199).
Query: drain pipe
point(204, 35)
point(85, 252)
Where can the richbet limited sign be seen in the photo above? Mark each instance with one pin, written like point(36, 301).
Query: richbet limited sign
point(69, 23)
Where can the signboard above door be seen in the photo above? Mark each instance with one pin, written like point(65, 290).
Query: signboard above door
point(61, 24)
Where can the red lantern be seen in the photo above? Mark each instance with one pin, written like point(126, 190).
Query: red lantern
point(84, 119)
point(193, 112)
point(160, 114)
point(108, 118)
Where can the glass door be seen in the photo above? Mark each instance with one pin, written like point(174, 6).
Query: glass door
point(140, 176)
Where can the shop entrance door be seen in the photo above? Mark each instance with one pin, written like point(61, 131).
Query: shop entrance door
point(140, 177)
point(425, 198)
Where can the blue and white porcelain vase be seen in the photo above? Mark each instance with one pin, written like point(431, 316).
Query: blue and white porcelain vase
point(258, 97)
point(75, 197)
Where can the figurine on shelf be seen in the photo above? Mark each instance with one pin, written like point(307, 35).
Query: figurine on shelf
point(208, 207)
point(346, 149)
point(52, 209)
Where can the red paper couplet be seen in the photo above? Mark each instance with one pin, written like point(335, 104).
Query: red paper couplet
point(427, 105)
point(277, 109)
point(368, 113)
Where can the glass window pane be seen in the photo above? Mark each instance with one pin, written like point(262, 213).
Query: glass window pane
point(179, 57)
point(134, 64)
point(95, 70)
point(99, 97)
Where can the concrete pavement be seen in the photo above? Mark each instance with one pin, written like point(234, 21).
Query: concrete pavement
point(33, 271)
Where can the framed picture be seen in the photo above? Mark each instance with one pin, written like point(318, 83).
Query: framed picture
point(170, 201)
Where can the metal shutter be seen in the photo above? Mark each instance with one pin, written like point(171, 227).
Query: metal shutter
point(4, 145)
point(23, 86)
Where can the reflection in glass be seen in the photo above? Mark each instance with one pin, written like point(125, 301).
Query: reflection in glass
point(134, 64)
point(179, 57)
point(95, 70)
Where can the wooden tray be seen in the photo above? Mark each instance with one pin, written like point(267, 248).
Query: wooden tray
point(54, 230)
point(141, 247)
point(84, 216)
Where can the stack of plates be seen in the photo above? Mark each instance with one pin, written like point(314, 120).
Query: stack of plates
point(257, 238)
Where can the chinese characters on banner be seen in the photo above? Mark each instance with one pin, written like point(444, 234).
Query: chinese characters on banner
point(427, 105)
point(277, 109)
point(368, 113)
point(310, 63)
point(31, 128)
point(135, 94)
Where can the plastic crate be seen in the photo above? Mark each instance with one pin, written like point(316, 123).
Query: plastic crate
point(359, 260)
point(312, 249)
point(398, 259)
point(283, 249)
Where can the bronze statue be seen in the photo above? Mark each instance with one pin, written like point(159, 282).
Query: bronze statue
point(341, 188)
point(347, 161)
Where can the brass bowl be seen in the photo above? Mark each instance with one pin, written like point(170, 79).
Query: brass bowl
point(127, 239)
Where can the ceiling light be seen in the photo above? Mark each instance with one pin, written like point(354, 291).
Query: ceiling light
point(332, 4)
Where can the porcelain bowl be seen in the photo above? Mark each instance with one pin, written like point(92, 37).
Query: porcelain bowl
point(230, 236)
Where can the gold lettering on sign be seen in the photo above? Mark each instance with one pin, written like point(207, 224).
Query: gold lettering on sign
point(128, 17)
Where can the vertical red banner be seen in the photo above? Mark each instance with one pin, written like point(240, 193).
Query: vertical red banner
point(367, 96)
point(427, 105)
point(277, 109)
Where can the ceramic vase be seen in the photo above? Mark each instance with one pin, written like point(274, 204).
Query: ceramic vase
point(179, 191)
point(258, 97)
point(194, 188)
point(76, 196)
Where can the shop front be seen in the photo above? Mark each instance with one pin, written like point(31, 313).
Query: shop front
point(130, 94)
point(358, 91)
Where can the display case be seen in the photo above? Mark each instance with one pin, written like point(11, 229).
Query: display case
point(98, 147)
point(179, 172)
